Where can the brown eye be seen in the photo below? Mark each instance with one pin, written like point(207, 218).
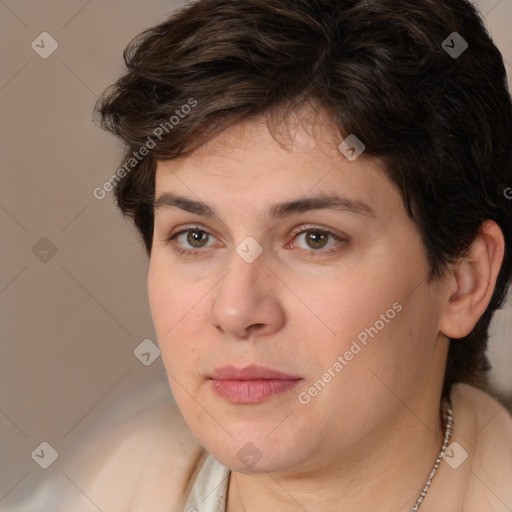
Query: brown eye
point(317, 239)
point(196, 238)
point(190, 241)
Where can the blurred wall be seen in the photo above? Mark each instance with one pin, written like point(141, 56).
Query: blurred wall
point(73, 274)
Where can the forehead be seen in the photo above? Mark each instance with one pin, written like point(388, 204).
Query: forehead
point(250, 168)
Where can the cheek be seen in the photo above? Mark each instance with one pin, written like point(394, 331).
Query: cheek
point(347, 304)
point(372, 320)
point(177, 313)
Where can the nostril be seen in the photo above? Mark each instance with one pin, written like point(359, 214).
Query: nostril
point(256, 327)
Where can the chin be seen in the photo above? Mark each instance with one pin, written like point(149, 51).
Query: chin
point(252, 451)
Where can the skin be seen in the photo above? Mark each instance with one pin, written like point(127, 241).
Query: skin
point(296, 310)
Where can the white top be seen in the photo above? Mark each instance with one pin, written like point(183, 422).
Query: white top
point(210, 488)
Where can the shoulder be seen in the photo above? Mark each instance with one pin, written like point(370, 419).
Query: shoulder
point(487, 415)
point(485, 430)
point(148, 463)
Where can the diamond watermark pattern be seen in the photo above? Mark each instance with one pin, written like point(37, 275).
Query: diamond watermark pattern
point(455, 455)
point(454, 45)
point(249, 249)
point(45, 455)
point(44, 45)
point(44, 250)
point(352, 147)
point(249, 454)
point(146, 352)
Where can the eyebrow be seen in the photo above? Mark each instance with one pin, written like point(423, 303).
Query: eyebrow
point(276, 211)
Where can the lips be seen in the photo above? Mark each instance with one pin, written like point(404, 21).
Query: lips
point(251, 372)
point(251, 384)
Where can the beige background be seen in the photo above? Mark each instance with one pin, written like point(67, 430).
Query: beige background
point(70, 324)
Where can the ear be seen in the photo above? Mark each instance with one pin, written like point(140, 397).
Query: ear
point(472, 281)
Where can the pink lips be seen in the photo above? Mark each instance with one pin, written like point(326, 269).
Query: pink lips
point(251, 384)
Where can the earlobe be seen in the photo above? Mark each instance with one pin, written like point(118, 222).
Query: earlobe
point(472, 282)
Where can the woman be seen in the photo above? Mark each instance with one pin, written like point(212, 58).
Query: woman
point(320, 189)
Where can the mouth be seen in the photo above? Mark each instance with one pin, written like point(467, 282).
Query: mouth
point(251, 384)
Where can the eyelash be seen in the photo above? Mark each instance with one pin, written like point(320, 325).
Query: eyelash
point(303, 229)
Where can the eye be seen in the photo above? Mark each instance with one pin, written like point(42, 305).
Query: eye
point(188, 241)
point(317, 239)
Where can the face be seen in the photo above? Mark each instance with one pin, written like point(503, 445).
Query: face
point(254, 268)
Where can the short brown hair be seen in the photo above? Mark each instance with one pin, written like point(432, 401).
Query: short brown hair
point(441, 123)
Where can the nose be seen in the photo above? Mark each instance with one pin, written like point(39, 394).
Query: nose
point(247, 302)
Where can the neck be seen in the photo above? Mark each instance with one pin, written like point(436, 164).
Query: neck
point(386, 474)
